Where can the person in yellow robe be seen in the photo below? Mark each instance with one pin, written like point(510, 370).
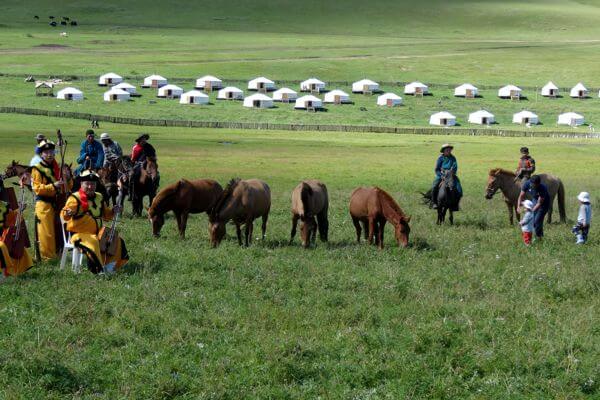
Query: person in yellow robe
point(83, 213)
point(11, 266)
point(46, 184)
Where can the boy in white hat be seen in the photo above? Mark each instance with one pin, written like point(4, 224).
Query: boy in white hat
point(527, 222)
point(584, 218)
point(112, 149)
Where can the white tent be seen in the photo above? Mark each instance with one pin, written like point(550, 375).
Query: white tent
point(126, 87)
point(365, 86)
point(193, 97)
point(70, 93)
point(550, 90)
point(466, 90)
point(571, 119)
point(154, 81)
point(416, 88)
point(525, 117)
point(442, 119)
point(312, 85)
point(208, 83)
point(579, 91)
point(336, 97)
point(115, 94)
point(285, 95)
point(509, 92)
point(307, 102)
point(482, 117)
point(170, 91)
point(261, 84)
point(258, 100)
point(109, 79)
point(389, 99)
point(230, 93)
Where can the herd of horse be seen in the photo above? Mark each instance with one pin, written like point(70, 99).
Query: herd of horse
point(244, 201)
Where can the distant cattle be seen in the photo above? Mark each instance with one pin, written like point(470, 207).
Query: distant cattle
point(65, 18)
point(53, 23)
point(36, 16)
point(73, 23)
point(63, 23)
point(51, 17)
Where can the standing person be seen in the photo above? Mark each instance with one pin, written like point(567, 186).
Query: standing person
point(36, 152)
point(526, 166)
point(91, 154)
point(584, 218)
point(527, 222)
point(445, 162)
point(45, 182)
point(112, 150)
point(541, 202)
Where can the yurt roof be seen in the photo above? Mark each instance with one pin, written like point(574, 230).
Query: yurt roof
point(365, 82)
point(285, 90)
point(232, 89)
point(156, 77)
point(124, 85)
point(579, 86)
point(550, 85)
point(390, 96)
point(467, 86)
point(444, 114)
point(313, 80)
point(337, 92)
point(526, 114)
point(308, 98)
point(482, 113)
point(170, 87)
point(209, 78)
point(259, 96)
point(195, 93)
point(262, 79)
point(117, 91)
point(71, 90)
point(111, 75)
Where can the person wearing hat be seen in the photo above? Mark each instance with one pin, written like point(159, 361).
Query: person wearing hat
point(526, 166)
point(112, 150)
point(445, 162)
point(45, 182)
point(584, 218)
point(91, 154)
point(527, 222)
point(83, 214)
point(10, 266)
point(36, 154)
point(142, 149)
point(538, 192)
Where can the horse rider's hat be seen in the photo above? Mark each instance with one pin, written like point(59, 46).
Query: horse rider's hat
point(528, 204)
point(89, 176)
point(105, 136)
point(446, 146)
point(39, 137)
point(143, 136)
point(584, 197)
point(46, 145)
point(524, 150)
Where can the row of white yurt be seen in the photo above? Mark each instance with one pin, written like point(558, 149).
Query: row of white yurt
point(483, 117)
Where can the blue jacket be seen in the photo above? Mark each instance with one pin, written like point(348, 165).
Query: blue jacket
point(447, 163)
point(94, 151)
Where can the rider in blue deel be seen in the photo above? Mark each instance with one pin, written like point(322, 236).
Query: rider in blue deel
point(445, 162)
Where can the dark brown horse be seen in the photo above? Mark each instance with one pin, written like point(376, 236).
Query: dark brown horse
point(146, 184)
point(373, 207)
point(109, 177)
point(310, 203)
point(23, 172)
point(183, 198)
point(242, 201)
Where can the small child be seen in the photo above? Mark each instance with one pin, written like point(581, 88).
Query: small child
point(584, 218)
point(527, 222)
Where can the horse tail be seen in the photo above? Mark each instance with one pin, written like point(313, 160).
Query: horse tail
point(561, 202)
point(305, 195)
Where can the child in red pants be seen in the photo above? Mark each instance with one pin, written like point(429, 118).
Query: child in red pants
point(527, 222)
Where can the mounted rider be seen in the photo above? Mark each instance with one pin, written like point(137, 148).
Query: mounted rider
point(91, 154)
point(526, 166)
point(112, 149)
point(36, 156)
point(141, 151)
point(445, 162)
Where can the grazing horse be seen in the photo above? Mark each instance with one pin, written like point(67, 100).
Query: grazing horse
point(183, 198)
point(310, 201)
point(242, 201)
point(510, 186)
point(374, 206)
point(145, 185)
point(23, 172)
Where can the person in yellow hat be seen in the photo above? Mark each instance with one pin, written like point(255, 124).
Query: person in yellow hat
point(46, 183)
point(83, 213)
point(10, 266)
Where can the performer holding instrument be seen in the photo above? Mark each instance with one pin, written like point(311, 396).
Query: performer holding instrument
point(14, 239)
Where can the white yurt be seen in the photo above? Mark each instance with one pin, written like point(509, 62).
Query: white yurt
point(258, 100)
point(126, 87)
point(416, 88)
point(194, 97)
point(389, 99)
point(466, 90)
point(509, 92)
point(261, 84)
point(109, 79)
point(285, 95)
point(579, 91)
point(312, 85)
point(154, 81)
point(308, 102)
point(170, 91)
point(571, 119)
point(443, 118)
point(115, 94)
point(365, 86)
point(336, 97)
point(230, 93)
point(482, 117)
point(525, 117)
point(70, 93)
point(209, 83)
point(550, 90)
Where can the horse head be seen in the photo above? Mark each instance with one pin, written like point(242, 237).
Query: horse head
point(492, 185)
point(157, 220)
point(402, 230)
point(216, 230)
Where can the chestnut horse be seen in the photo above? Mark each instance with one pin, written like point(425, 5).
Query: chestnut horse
point(310, 201)
point(145, 185)
point(183, 198)
point(506, 182)
point(242, 201)
point(374, 206)
point(19, 170)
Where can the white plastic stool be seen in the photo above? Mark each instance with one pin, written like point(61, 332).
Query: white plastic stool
point(77, 258)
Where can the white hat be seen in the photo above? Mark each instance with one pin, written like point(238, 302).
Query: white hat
point(528, 204)
point(584, 197)
point(104, 136)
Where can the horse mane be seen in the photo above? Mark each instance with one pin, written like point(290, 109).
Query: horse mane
point(502, 171)
point(227, 192)
point(388, 203)
point(305, 194)
point(164, 194)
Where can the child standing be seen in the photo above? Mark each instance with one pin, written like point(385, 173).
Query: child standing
point(584, 218)
point(527, 222)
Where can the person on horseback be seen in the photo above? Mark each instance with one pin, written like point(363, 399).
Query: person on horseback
point(141, 151)
point(445, 162)
point(112, 150)
point(526, 166)
point(36, 155)
point(91, 154)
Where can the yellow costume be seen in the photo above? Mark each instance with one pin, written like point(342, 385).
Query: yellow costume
point(85, 226)
point(9, 265)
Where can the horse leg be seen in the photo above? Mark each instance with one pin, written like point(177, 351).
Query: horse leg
point(295, 218)
point(550, 211)
point(440, 217)
point(510, 212)
point(451, 217)
point(323, 223)
point(365, 227)
point(380, 233)
point(182, 223)
point(263, 227)
point(248, 232)
point(238, 231)
point(356, 223)
point(313, 230)
point(372, 229)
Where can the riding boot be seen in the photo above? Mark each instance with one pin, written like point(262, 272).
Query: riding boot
point(434, 196)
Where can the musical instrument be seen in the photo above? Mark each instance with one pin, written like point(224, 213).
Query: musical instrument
point(62, 194)
point(108, 242)
point(15, 235)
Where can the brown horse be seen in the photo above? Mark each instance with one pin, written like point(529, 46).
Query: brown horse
point(19, 170)
point(506, 182)
point(310, 201)
point(183, 198)
point(374, 206)
point(242, 201)
point(146, 184)
point(109, 177)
